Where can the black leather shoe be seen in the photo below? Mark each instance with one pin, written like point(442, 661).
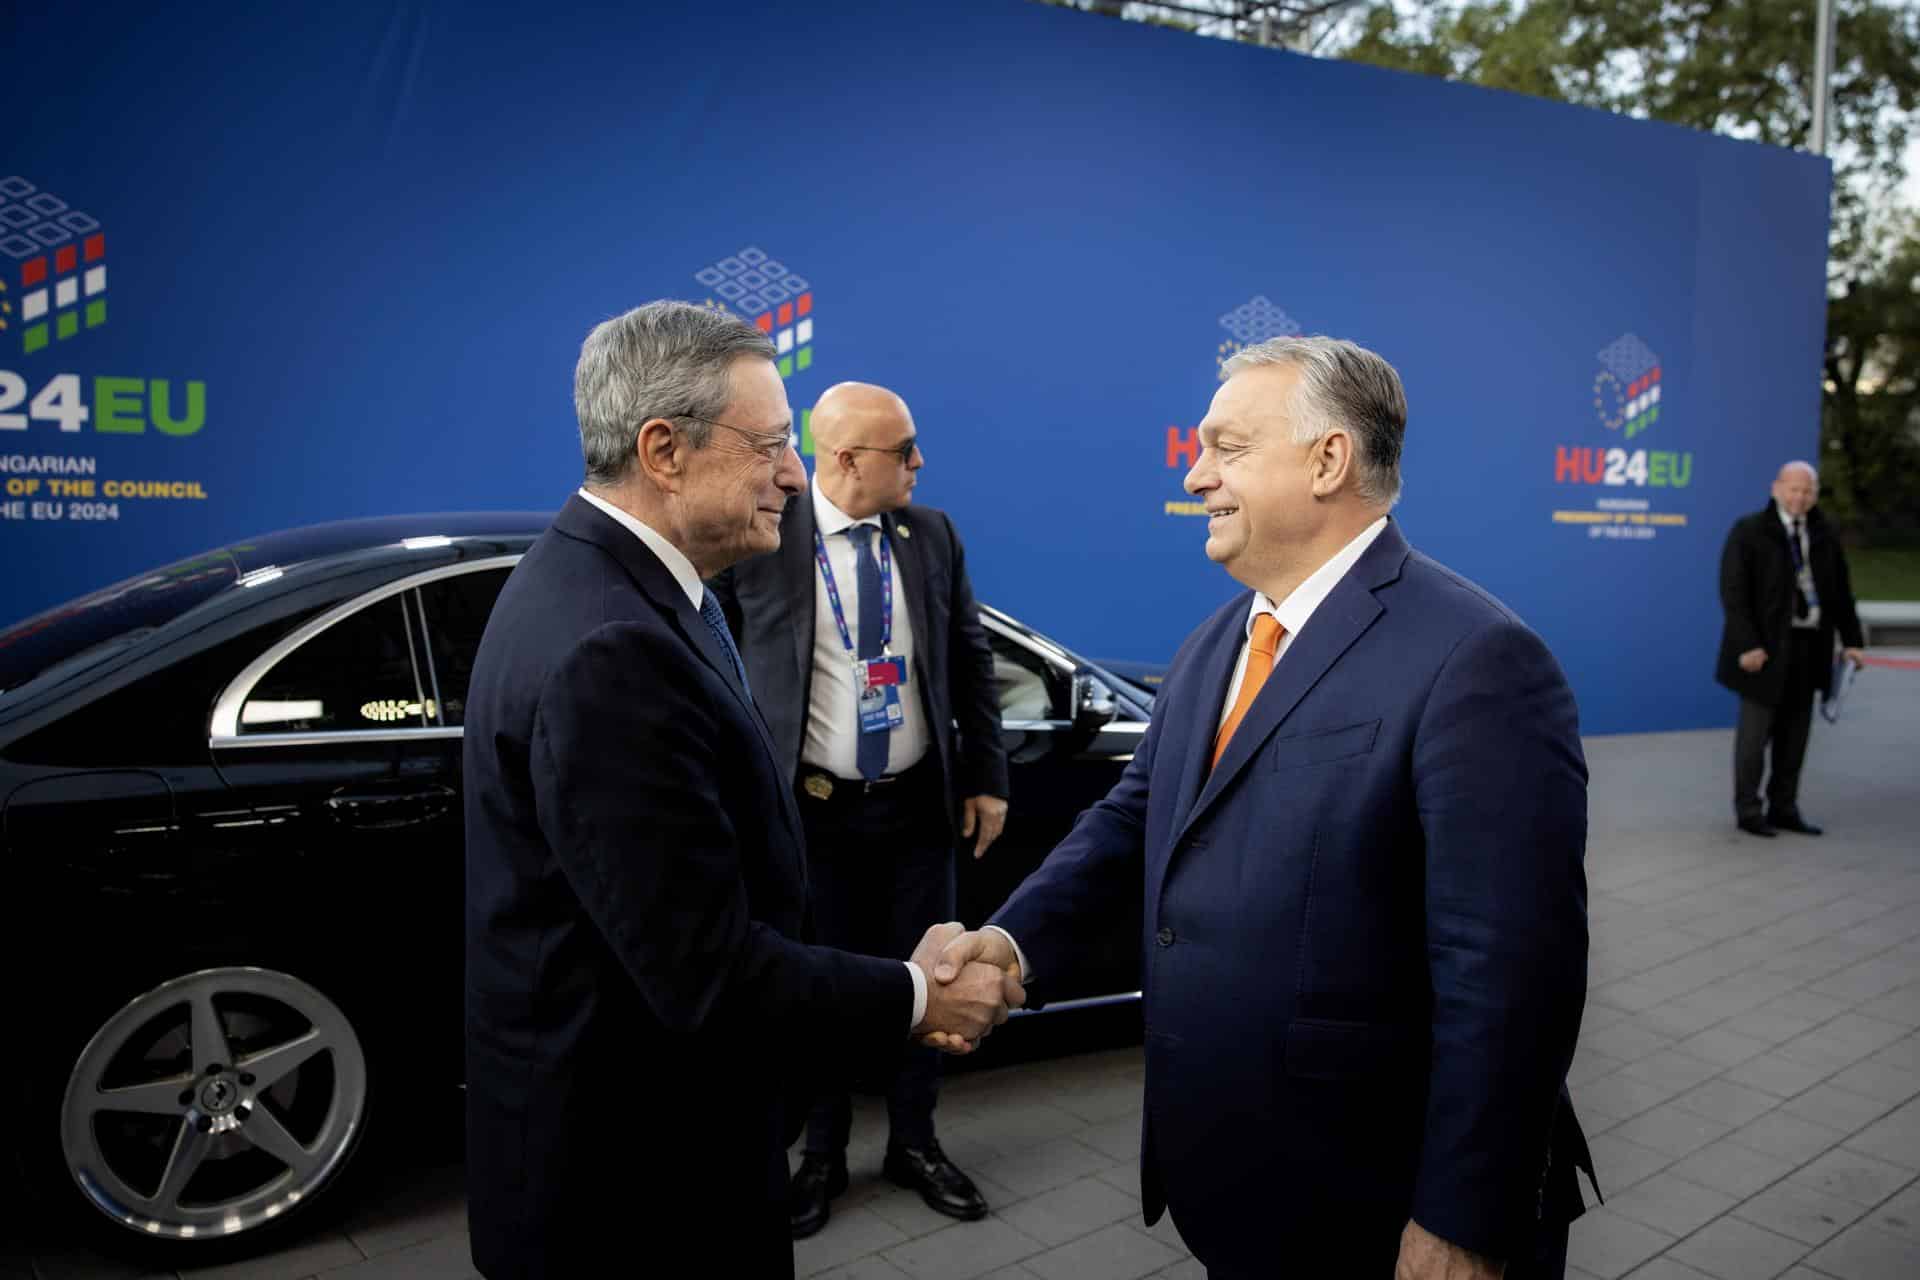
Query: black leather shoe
point(942, 1185)
point(814, 1183)
point(1757, 827)
point(1793, 822)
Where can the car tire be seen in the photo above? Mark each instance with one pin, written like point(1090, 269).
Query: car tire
point(206, 1118)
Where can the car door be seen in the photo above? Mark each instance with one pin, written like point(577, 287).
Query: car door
point(339, 835)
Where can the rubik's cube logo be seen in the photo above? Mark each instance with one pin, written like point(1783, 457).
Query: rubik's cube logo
point(775, 299)
point(60, 255)
point(1626, 391)
point(1253, 321)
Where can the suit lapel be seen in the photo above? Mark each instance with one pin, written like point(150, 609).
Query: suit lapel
point(1349, 609)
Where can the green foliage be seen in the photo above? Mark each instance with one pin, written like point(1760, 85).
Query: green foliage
point(1870, 428)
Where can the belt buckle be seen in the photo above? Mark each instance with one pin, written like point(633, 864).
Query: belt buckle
point(818, 785)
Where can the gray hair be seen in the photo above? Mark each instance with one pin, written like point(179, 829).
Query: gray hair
point(1342, 385)
point(661, 360)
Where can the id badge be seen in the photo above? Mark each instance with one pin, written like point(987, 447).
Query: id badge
point(880, 708)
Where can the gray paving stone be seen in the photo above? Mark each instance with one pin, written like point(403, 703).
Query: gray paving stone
point(963, 1251)
point(1621, 1096)
point(1731, 1168)
point(1894, 1138)
point(1722, 1099)
point(1789, 1137)
point(1733, 1249)
point(851, 1233)
point(1800, 1212)
point(1620, 1164)
point(1836, 1108)
point(881, 1269)
point(1853, 1175)
point(1046, 1166)
point(1117, 1251)
point(1782, 1077)
point(1607, 1245)
point(1665, 1268)
point(1671, 1130)
point(1863, 1253)
point(310, 1257)
point(1722, 1047)
point(1069, 1212)
point(1670, 1069)
point(1899, 1216)
point(1883, 1081)
point(1667, 1202)
point(449, 1257)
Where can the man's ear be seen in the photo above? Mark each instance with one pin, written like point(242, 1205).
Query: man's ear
point(657, 452)
point(1331, 462)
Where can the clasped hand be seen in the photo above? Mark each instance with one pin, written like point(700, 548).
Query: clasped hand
point(970, 986)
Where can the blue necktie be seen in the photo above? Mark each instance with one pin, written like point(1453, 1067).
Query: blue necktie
point(717, 623)
point(872, 752)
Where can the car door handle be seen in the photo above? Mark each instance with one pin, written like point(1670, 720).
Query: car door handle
point(371, 810)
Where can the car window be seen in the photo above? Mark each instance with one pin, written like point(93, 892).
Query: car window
point(1029, 687)
point(455, 611)
point(357, 674)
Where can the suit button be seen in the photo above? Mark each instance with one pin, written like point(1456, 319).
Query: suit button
point(1166, 937)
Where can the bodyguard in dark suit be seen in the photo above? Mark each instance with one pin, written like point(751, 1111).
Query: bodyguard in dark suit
point(1786, 596)
point(636, 906)
point(867, 656)
point(1359, 820)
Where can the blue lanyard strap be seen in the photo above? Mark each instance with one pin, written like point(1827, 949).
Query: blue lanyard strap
point(833, 591)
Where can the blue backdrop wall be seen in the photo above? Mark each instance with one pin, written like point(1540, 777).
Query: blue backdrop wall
point(270, 267)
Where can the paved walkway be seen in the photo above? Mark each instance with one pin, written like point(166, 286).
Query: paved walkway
point(1749, 1067)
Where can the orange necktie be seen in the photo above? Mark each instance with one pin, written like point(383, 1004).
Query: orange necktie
point(1260, 648)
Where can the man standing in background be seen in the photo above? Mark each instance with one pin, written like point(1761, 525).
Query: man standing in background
point(864, 647)
point(1785, 592)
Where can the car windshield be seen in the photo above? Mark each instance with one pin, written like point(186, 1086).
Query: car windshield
point(85, 632)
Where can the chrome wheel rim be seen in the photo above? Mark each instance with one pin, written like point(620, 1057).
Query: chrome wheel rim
point(214, 1103)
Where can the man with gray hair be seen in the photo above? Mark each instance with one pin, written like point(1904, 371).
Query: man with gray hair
point(1359, 817)
point(638, 974)
point(1786, 597)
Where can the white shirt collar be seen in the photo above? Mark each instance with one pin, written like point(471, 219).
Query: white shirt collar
point(1300, 603)
point(669, 555)
point(1786, 519)
point(829, 518)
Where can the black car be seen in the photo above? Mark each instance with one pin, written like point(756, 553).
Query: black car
point(230, 819)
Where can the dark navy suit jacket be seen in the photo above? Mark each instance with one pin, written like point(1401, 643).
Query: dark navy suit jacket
point(1365, 931)
point(636, 900)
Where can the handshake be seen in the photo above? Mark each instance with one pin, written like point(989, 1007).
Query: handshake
point(973, 980)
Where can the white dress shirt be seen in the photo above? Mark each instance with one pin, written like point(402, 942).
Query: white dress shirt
point(1292, 613)
point(832, 741)
point(684, 573)
point(665, 552)
point(1813, 610)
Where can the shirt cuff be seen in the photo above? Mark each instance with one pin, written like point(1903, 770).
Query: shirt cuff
point(919, 996)
point(1026, 974)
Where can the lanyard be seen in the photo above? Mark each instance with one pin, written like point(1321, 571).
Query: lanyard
point(833, 592)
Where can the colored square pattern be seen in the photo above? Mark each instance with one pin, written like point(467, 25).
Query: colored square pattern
point(1635, 370)
point(776, 299)
point(63, 272)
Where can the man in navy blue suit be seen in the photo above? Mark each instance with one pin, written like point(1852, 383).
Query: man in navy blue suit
point(639, 980)
point(1359, 821)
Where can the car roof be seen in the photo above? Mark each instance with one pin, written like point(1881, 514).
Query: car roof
point(287, 547)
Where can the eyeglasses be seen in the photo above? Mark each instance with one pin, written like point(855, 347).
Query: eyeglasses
point(769, 444)
point(903, 451)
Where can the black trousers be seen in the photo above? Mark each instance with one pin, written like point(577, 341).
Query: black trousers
point(880, 871)
point(1786, 726)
